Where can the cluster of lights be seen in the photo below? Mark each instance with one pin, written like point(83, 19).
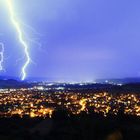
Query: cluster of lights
point(39, 103)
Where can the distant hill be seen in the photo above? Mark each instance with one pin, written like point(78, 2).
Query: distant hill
point(11, 83)
point(119, 81)
point(110, 85)
point(59, 79)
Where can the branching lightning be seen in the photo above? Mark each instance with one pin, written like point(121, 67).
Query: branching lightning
point(16, 24)
point(1, 56)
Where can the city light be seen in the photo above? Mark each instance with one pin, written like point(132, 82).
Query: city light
point(42, 103)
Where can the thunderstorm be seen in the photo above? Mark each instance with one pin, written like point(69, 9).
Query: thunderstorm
point(21, 39)
point(1, 55)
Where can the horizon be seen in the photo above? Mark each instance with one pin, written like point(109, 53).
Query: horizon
point(57, 80)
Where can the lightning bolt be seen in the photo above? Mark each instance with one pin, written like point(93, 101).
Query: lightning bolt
point(1, 55)
point(16, 24)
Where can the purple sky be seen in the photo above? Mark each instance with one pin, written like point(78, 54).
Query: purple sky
point(81, 39)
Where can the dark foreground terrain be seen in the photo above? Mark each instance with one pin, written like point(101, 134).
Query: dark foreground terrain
point(71, 127)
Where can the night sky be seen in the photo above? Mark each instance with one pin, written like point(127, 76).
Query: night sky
point(78, 40)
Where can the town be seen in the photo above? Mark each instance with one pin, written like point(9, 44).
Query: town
point(39, 102)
